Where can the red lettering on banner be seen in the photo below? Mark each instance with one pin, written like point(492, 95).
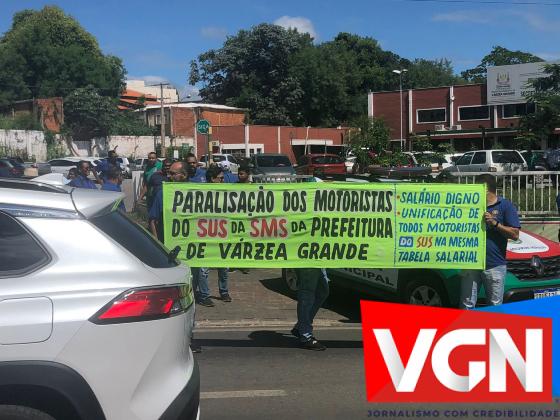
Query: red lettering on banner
point(212, 228)
point(422, 354)
point(269, 228)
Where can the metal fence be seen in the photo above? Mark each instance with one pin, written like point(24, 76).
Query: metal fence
point(533, 192)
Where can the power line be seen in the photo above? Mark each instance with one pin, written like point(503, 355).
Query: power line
point(515, 3)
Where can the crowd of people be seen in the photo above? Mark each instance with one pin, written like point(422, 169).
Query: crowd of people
point(501, 220)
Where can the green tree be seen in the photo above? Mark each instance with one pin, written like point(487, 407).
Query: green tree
point(541, 124)
point(87, 114)
point(430, 73)
point(499, 56)
point(130, 123)
point(251, 71)
point(370, 136)
point(47, 53)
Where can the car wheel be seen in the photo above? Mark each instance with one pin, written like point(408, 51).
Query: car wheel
point(290, 278)
point(426, 292)
point(18, 412)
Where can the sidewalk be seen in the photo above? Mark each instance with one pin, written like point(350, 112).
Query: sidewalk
point(262, 299)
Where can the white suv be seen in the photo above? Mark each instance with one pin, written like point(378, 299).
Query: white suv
point(95, 315)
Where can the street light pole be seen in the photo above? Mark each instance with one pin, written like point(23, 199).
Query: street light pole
point(400, 72)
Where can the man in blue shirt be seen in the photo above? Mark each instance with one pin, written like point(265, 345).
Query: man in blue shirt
point(105, 165)
point(82, 180)
point(113, 182)
point(196, 173)
point(502, 223)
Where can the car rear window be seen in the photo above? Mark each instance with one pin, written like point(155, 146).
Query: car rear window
point(327, 160)
point(134, 238)
point(273, 161)
point(20, 253)
point(507, 156)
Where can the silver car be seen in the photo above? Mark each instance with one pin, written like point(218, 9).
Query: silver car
point(489, 161)
point(95, 315)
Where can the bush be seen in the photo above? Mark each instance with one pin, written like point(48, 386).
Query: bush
point(20, 122)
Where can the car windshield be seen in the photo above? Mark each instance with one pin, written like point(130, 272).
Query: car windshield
point(506, 156)
point(273, 161)
point(326, 160)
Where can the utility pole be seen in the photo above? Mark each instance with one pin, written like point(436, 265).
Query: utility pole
point(400, 73)
point(162, 118)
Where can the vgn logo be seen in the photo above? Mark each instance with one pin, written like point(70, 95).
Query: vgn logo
point(422, 354)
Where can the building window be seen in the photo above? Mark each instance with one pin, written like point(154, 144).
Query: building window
point(517, 110)
point(434, 115)
point(474, 113)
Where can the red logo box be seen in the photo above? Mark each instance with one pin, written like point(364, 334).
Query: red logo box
point(422, 354)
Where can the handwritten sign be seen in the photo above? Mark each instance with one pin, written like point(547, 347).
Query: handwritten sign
point(327, 225)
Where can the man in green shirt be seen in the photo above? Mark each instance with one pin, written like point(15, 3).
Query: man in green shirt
point(153, 166)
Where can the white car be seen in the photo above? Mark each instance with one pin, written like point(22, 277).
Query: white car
point(63, 165)
point(489, 161)
point(96, 316)
point(226, 161)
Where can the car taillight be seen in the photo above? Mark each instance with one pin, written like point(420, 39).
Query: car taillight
point(145, 304)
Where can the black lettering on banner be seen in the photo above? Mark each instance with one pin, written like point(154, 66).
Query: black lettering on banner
point(237, 226)
point(332, 251)
point(294, 201)
point(195, 250)
point(253, 251)
point(178, 199)
point(180, 228)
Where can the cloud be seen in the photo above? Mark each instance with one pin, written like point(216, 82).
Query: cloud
point(470, 16)
point(548, 56)
point(149, 79)
point(538, 22)
point(302, 24)
point(213, 32)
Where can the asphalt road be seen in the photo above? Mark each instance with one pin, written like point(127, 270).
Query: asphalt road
point(262, 374)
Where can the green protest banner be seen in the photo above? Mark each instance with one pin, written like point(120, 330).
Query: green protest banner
point(327, 225)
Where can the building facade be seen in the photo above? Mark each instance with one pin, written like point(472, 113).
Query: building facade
point(458, 114)
point(170, 94)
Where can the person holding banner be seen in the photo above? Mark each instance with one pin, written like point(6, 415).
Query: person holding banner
point(177, 173)
point(214, 174)
point(502, 223)
point(313, 290)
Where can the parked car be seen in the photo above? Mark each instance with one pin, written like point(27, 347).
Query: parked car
point(351, 164)
point(324, 165)
point(535, 159)
point(10, 168)
point(489, 161)
point(271, 164)
point(226, 161)
point(96, 314)
point(435, 287)
point(63, 165)
point(125, 166)
point(436, 161)
point(35, 168)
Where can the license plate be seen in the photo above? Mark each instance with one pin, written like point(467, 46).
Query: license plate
point(544, 293)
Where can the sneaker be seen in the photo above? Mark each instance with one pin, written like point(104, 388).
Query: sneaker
point(295, 332)
point(312, 344)
point(226, 298)
point(206, 302)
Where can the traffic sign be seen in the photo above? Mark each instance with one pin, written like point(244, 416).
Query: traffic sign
point(203, 126)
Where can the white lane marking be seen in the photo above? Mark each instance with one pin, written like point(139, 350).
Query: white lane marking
point(252, 393)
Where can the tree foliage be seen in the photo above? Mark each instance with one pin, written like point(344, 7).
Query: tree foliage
point(541, 124)
point(499, 56)
point(251, 71)
point(87, 114)
point(47, 53)
point(283, 78)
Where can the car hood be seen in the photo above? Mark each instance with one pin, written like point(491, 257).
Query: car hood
point(530, 244)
